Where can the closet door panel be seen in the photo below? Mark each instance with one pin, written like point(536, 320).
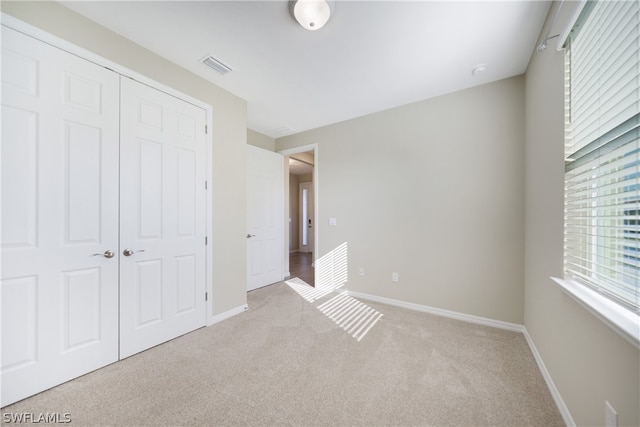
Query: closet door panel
point(59, 208)
point(162, 280)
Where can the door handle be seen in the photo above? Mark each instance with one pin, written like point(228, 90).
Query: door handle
point(129, 252)
point(106, 254)
point(250, 235)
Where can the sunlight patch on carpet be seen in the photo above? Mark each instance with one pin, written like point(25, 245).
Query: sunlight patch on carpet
point(332, 272)
point(352, 315)
point(307, 291)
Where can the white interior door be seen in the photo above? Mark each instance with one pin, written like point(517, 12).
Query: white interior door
point(162, 217)
point(265, 213)
point(59, 286)
point(306, 217)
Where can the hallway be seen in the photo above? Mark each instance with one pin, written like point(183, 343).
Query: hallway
point(301, 266)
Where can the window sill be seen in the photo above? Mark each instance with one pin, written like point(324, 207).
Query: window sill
point(621, 320)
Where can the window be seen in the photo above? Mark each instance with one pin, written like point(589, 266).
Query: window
point(602, 151)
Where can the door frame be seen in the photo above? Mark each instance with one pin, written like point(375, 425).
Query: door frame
point(316, 164)
point(39, 34)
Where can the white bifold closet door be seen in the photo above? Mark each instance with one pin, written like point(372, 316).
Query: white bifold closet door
point(59, 284)
point(103, 217)
point(162, 217)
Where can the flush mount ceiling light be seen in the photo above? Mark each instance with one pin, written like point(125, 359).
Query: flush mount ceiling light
point(311, 14)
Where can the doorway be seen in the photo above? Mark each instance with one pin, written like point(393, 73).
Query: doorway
point(302, 212)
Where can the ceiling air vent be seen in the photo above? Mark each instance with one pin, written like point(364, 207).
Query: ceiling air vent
point(212, 62)
point(283, 130)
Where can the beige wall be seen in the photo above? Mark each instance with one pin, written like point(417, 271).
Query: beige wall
point(589, 363)
point(229, 134)
point(305, 178)
point(434, 191)
point(260, 140)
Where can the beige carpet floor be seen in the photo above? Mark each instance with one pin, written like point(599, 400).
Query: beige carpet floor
point(286, 362)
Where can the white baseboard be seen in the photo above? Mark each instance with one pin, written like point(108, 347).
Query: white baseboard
point(440, 312)
point(562, 407)
point(227, 314)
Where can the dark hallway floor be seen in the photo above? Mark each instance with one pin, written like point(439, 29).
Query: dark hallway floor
point(301, 266)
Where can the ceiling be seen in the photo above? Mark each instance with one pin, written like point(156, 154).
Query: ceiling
point(369, 57)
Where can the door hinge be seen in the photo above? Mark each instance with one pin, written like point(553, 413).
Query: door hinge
point(205, 185)
point(206, 296)
point(206, 129)
point(206, 240)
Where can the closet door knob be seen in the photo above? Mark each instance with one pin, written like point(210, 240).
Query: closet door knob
point(129, 252)
point(106, 254)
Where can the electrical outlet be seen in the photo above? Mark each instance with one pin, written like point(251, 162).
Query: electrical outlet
point(610, 415)
point(394, 277)
point(361, 271)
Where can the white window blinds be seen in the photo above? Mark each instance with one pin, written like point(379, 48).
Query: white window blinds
point(602, 149)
